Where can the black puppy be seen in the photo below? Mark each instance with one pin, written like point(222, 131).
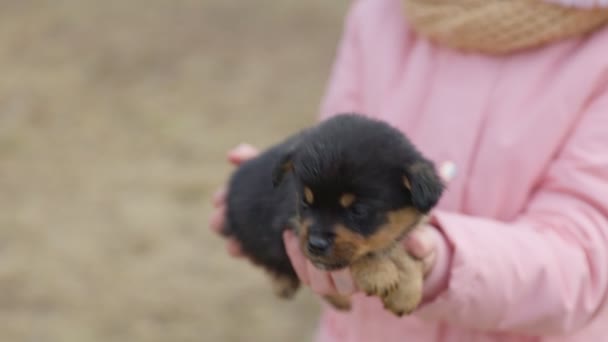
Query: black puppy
point(350, 187)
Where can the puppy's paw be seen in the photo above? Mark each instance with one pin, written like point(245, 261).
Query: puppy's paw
point(285, 287)
point(373, 287)
point(404, 299)
point(408, 295)
point(393, 277)
point(376, 276)
point(340, 303)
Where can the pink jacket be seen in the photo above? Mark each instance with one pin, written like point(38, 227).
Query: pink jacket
point(527, 212)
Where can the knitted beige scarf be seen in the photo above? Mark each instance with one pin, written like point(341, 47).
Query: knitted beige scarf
point(500, 26)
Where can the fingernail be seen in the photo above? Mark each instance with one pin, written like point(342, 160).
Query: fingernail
point(242, 149)
point(237, 148)
point(241, 152)
point(343, 282)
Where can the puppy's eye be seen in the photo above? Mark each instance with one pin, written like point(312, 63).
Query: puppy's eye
point(304, 205)
point(309, 197)
point(347, 200)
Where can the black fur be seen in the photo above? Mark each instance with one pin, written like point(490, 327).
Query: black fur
point(347, 153)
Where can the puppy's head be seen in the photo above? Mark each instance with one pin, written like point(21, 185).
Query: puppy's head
point(361, 185)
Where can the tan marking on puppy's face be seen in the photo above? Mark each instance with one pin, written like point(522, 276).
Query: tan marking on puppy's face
point(302, 229)
point(407, 183)
point(347, 199)
point(351, 245)
point(309, 197)
point(348, 246)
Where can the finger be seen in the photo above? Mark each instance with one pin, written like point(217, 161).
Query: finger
point(420, 242)
point(343, 281)
point(320, 281)
point(216, 222)
point(298, 261)
point(219, 197)
point(242, 153)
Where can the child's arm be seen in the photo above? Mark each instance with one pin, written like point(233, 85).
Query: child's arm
point(547, 272)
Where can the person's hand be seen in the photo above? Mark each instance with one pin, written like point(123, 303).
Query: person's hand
point(421, 243)
point(425, 243)
point(236, 156)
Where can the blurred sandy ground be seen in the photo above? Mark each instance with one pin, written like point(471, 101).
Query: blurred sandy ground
point(115, 117)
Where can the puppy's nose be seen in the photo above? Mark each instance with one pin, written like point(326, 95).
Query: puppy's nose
point(319, 244)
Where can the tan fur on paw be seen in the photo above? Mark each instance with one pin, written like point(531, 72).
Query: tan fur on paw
point(408, 294)
point(375, 275)
point(394, 277)
point(405, 298)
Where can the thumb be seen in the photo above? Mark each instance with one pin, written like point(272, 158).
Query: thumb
point(420, 243)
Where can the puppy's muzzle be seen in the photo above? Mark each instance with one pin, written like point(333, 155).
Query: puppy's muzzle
point(319, 244)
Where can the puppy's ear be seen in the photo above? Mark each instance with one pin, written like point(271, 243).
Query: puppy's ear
point(285, 161)
point(283, 166)
point(424, 184)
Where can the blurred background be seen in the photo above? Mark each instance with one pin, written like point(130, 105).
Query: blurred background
point(115, 119)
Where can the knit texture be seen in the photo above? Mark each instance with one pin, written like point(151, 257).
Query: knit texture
point(500, 26)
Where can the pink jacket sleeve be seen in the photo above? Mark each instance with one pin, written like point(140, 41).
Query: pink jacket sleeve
point(547, 271)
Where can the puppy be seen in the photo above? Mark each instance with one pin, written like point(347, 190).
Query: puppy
point(350, 188)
